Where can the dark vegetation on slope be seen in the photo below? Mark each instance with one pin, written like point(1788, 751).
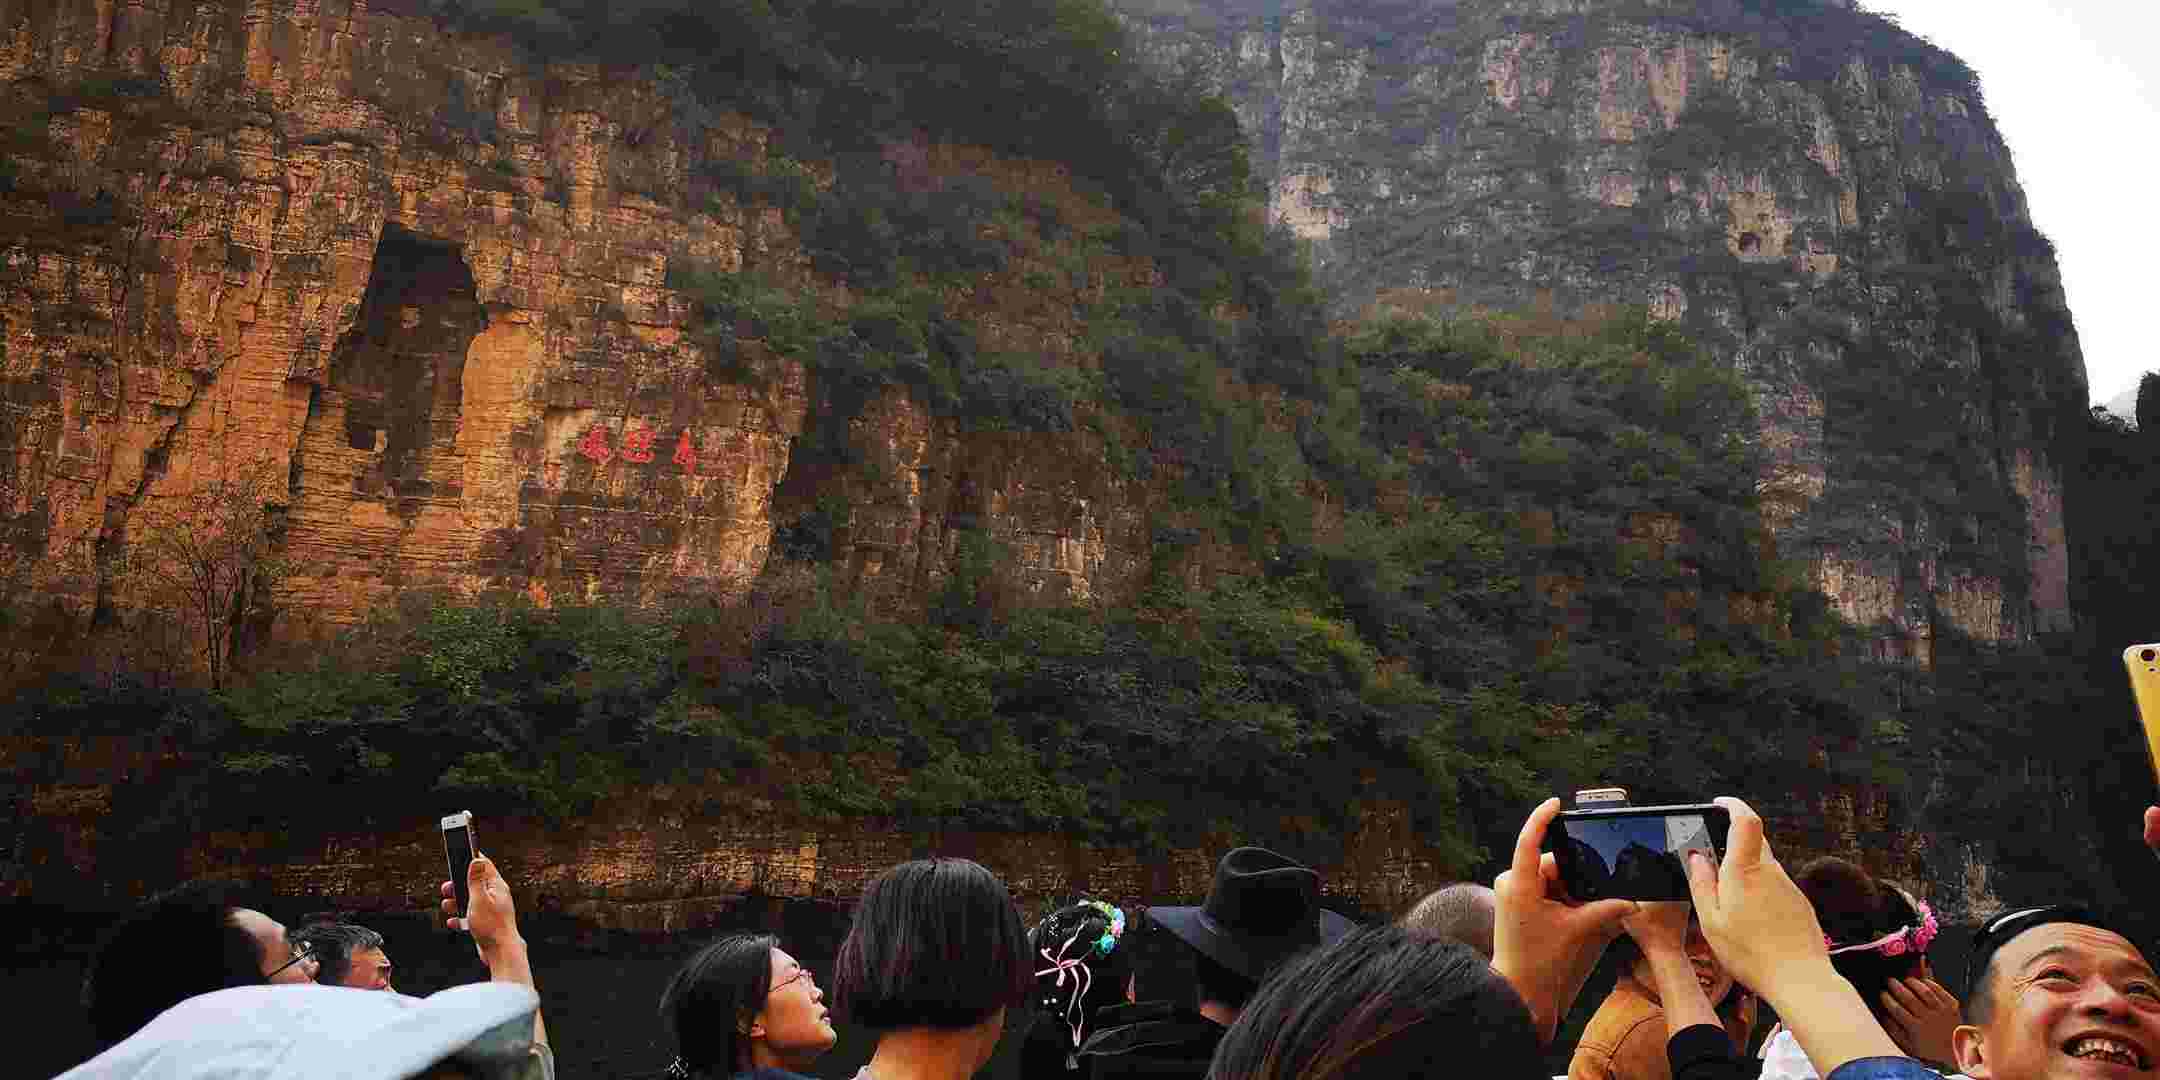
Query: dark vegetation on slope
point(1541, 562)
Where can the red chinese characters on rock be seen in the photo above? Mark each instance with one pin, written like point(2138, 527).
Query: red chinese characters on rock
point(637, 446)
point(595, 444)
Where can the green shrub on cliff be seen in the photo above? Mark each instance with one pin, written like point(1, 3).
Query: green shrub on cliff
point(849, 80)
point(1492, 615)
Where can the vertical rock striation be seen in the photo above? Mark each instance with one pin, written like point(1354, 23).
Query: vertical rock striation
point(1815, 193)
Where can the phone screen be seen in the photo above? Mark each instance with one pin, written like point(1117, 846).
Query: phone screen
point(458, 852)
point(1638, 857)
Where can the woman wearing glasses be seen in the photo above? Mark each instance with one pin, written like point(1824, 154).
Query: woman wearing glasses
point(742, 1007)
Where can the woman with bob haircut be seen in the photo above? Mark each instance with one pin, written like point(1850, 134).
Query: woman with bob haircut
point(742, 1007)
point(1381, 1002)
point(935, 956)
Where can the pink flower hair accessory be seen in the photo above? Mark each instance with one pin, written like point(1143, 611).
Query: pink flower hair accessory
point(1913, 938)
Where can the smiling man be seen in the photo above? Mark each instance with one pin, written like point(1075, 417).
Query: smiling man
point(2054, 994)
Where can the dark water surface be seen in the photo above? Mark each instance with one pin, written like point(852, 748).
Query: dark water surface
point(599, 990)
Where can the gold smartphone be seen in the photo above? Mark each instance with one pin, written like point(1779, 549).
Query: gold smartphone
point(2144, 664)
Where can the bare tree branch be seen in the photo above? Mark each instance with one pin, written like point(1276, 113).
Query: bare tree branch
point(211, 554)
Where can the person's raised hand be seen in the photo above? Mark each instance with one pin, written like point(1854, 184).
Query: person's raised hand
point(1759, 923)
point(1544, 943)
point(1922, 1014)
point(1765, 932)
point(492, 921)
point(1659, 926)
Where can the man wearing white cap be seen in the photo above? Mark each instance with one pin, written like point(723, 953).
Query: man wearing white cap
point(478, 1032)
point(489, 1031)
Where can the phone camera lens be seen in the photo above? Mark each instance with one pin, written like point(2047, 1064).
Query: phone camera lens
point(2148, 655)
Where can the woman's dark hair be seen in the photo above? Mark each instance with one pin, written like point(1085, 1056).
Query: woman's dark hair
point(1854, 908)
point(935, 943)
point(1381, 1002)
point(1085, 933)
point(707, 1007)
point(178, 944)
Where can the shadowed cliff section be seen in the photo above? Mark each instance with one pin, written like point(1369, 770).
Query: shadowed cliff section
point(1814, 193)
point(397, 375)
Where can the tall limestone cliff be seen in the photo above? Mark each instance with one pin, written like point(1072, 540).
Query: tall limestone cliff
point(1818, 194)
point(422, 280)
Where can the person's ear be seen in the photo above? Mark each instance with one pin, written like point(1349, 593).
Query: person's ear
point(1971, 1050)
point(756, 1030)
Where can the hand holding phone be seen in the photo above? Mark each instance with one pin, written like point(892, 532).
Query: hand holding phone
point(1545, 944)
point(1764, 930)
point(1636, 853)
point(2143, 663)
point(1660, 925)
point(457, 834)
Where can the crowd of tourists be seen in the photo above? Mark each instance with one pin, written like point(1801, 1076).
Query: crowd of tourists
point(1259, 982)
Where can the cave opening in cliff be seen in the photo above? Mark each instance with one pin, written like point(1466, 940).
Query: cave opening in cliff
point(398, 373)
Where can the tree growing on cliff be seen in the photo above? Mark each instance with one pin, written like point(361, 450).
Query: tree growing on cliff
point(211, 556)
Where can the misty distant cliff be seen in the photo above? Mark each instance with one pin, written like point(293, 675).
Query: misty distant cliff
point(1815, 192)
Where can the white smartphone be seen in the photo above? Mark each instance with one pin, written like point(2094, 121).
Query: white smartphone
point(457, 843)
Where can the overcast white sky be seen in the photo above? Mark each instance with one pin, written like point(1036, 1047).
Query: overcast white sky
point(2075, 87)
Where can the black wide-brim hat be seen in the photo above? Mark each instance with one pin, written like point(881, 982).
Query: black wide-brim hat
point(1261, 909)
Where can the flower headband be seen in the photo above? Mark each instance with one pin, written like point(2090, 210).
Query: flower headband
point(1913, 938)
point(1075, 968)
point(1114, 916)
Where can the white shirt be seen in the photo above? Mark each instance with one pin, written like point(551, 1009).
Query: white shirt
point(1782, 1059)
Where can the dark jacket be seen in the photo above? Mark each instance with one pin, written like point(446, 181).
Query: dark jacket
point(1151, 1039)
point(1045, 1050)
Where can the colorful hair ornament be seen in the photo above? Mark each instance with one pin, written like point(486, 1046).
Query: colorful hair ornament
point(1114, 916)
point(1914, 938)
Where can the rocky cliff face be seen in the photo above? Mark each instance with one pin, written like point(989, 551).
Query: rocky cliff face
point(1815, 193)
point(422, 281)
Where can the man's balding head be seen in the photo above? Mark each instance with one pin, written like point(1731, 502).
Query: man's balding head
point(1462, 912)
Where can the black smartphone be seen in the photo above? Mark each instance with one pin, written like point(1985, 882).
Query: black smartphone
point(1635, 853)
point(457, 845)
